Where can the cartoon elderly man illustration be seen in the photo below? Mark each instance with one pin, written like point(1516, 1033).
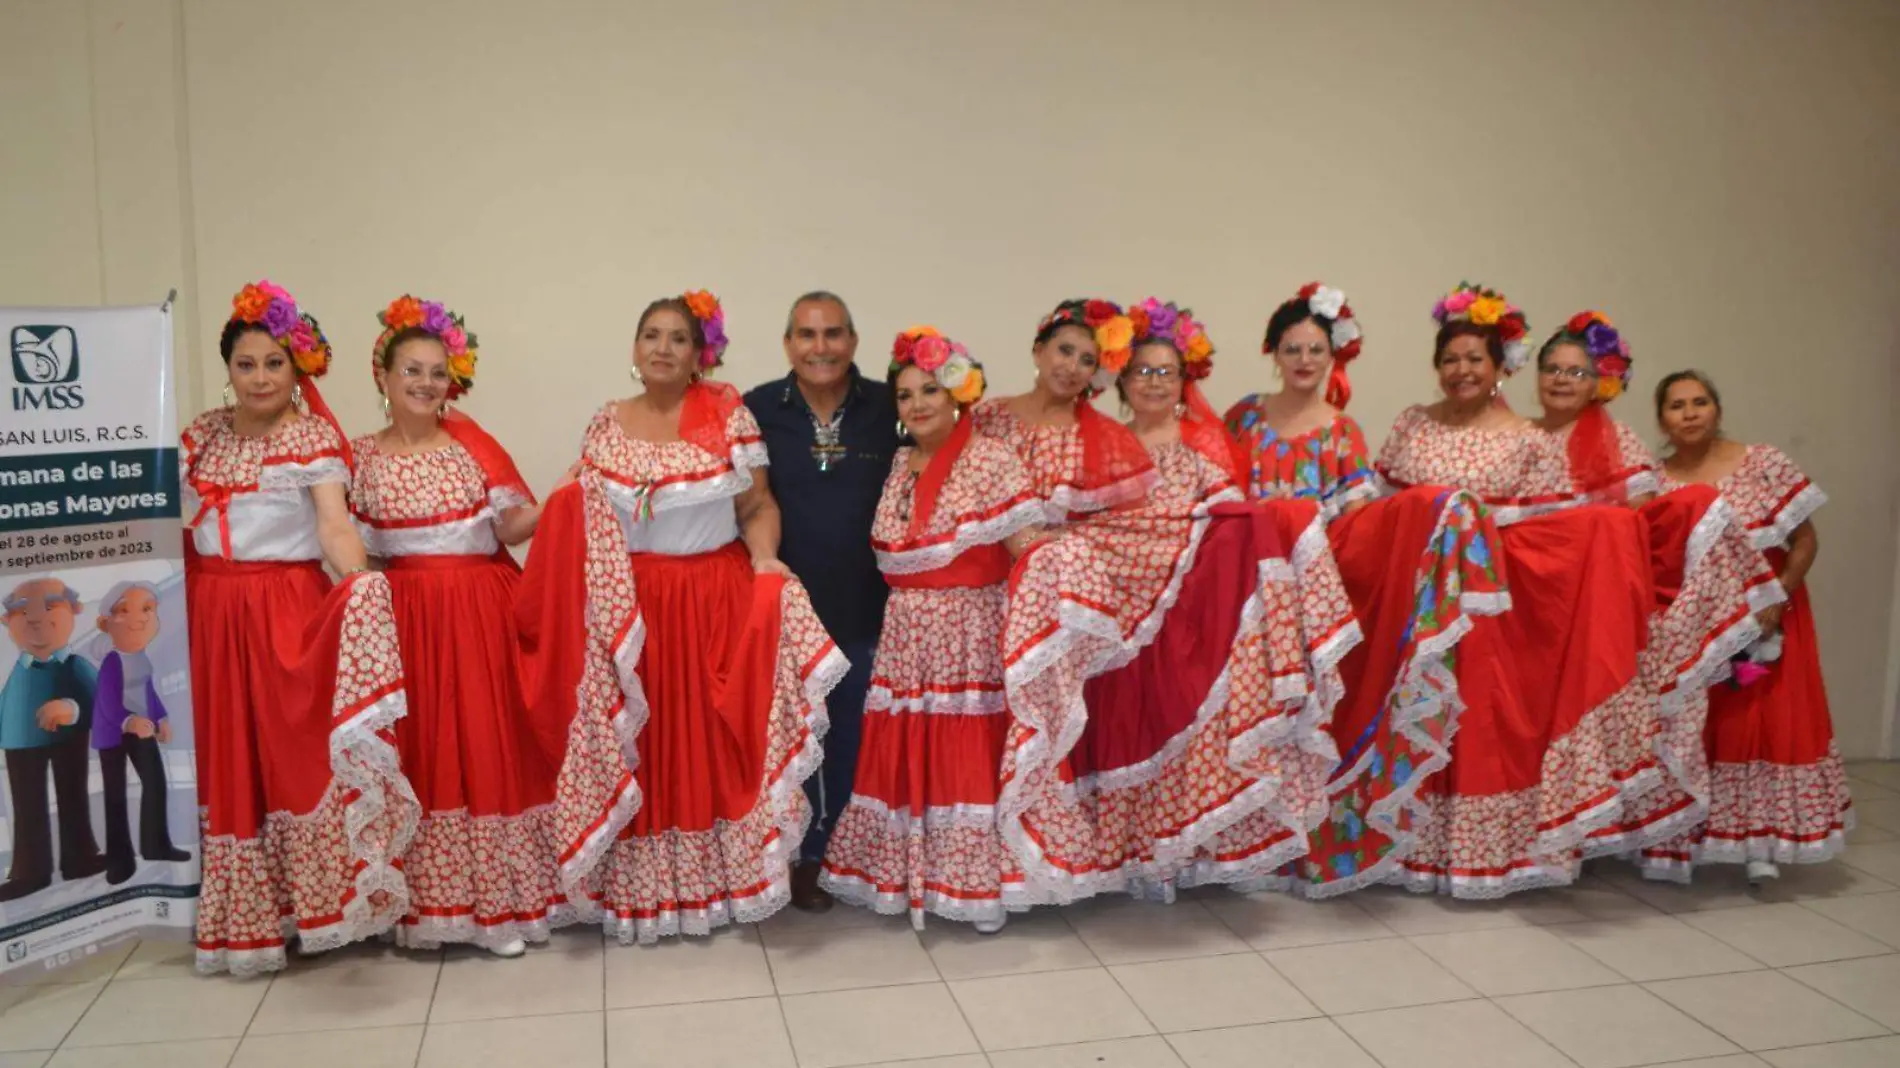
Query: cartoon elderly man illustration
point(129, 723)
point(45, 720)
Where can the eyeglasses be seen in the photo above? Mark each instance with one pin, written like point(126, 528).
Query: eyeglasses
point(1575, 374)
point(1151, 371)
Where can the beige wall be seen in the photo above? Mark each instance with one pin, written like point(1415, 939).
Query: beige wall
point(1723, 178)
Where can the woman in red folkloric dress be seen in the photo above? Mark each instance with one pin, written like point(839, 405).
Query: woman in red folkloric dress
point(296, 685)
point(1556, 740)
point(437, 499)
point(1418, 567)
point(1777, 793)
point(1709, 580)
point(670, 655)
point(1272, 616)
point(1107, 791)
point(919, 834)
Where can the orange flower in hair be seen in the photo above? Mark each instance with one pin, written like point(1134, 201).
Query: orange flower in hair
point(402, 313)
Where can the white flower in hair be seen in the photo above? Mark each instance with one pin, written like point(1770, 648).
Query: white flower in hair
point(1516, 355)
point(955, 371)
point(1345, 332)
point(1326, 301)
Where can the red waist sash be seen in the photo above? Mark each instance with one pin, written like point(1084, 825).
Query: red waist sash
point(985, 565)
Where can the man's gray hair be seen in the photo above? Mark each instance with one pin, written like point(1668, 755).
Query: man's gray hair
point(820, 296)
point(119, 590)
point(17, 602)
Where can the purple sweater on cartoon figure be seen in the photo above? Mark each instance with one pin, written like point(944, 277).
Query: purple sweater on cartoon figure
point(126, 688)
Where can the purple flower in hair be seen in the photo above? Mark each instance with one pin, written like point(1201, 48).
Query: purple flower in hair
point(1161, 319)
point(715, 330)
point(435, 318)
point(1602, 340)
point(280, 318)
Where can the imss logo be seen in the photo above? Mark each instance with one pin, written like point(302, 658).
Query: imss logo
point(46, 369)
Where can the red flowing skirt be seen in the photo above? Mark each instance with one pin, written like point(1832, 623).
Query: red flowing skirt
point(1420, 567)
point(1710, 582)
point(919, 835)
point(1778, 791)
point(295, 688)
point(1558, 729)
point(481, 867)
point(1187, 761)
point(685, 716)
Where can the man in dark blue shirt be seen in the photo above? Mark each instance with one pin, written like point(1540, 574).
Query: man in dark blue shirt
point(830, 433)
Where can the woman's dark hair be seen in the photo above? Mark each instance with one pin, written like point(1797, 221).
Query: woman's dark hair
point(1564, 337)
point(674, 304)
point(1291, 314)
point(1691, 375)
point(890, 379)
point(234, 329)
point(1057, 320)
point(1180, 365)
point(1457, 328)
point(401, 337)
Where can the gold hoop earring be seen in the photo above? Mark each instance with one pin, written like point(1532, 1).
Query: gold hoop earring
point(633, 372)
point(229, 402)
point(447, 407)
point(385, 407)
point(1180, 411)
point(296, 395)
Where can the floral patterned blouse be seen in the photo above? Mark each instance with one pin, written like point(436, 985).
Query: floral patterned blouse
point(1493, 465)
point(1330, 465)
point(426, 503)
point(1770, 493)
point(248, 498)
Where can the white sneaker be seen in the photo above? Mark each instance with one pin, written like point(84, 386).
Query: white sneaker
point(1761, 871)
point(510, 949)
point(989, 927)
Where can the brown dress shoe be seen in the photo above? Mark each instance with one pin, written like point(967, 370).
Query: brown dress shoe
point(807, 896)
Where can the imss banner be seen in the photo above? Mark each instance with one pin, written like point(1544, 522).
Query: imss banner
point(98, 816)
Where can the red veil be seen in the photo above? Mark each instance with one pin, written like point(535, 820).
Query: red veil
point(1595, 458)
point(1201, 428)
point(498, 469)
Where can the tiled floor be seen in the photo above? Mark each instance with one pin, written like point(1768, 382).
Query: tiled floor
point(1612, 973)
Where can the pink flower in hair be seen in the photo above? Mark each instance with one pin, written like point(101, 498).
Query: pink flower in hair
point(930, 353)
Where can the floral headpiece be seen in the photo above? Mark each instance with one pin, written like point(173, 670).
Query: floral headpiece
point(406, 311)
point(712, 324)
point(1487, 307)
point(1114, 334)
point(948, 361)
point(1329, 303)
point(1158, 321)
point(1609, 353)
point(270, 306)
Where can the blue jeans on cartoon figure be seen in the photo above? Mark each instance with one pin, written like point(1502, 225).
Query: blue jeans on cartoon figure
point(34, 754)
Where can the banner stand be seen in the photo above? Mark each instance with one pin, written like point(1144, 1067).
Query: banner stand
point(98, 800)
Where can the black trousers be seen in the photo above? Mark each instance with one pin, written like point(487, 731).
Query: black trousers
point(155, 838)
point(32, 831)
